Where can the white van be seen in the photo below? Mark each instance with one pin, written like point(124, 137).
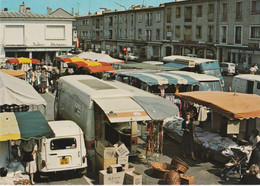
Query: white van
point(66, 151)
point(246, 83)
point(227, 68)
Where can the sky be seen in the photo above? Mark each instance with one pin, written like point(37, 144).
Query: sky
point(83, 6)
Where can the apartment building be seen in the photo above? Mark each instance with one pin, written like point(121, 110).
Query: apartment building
point(227, 30)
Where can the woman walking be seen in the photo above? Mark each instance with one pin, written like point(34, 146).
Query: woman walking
point(187, 144)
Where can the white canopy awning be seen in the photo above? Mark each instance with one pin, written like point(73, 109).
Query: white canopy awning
point(122, 109)
point(17, 91)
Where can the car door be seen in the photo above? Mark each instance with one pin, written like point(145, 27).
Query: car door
point(63, 153)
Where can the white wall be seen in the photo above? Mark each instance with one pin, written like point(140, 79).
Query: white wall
point(35, 34)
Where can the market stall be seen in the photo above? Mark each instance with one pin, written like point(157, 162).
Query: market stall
point(230, 118)
point(14, 127)
point(22, 63)
point(16, 93)
point(100, 57)
point(15, 73)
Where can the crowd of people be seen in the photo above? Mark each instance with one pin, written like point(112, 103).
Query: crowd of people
point(43, 77)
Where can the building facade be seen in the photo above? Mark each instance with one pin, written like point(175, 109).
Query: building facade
point(25, 34)
point(227, 30)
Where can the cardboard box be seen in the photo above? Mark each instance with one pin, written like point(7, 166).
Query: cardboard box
point(106, 178)
point(133, 178)
point(115, 168)
point(187, 179)
point(128, 168)
point(121, 149)
point(122, 159)
point(102, 163)
point(105, 149)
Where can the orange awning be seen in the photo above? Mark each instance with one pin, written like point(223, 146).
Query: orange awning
point(15, 73)
point(234, 106)
point(80, 62)
point(23, 60)
point(96, 69)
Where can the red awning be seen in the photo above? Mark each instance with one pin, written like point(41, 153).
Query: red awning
point(96, 69)
point(232, 105)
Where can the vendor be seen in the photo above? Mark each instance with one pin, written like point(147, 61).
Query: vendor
point(254, 138)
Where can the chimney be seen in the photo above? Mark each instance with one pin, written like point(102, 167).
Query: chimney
point(28, 10)
point(49, 11)
point(72, 11)
point(22, 8)
point(5, 9)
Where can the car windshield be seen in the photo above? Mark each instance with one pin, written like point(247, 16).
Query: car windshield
point(214, 72)
point(210, 86)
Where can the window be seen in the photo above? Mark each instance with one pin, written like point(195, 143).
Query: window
point(238, 10)
point(168, 32)
point(238, 34)
point(258, 85)
point(55, 32)
point(255, 7)
point(148, 19)
point(169, 15)
point(132, 20)
point(120, 19)
point(148, 35)
point(188, 14)
point(224, 11)
point(211, 9)
point(115, 19)
point(64, 143)
point(158, 34)
point(178, 12)
point(223, 34)
point(110, 22)
point(110, 35)
point(198, 32)
point(177, 31)
point(199, 11)
point(139, 33)
point(187, 33)
point(210, 33)
point(158, 16)
point(140, 17)
point(255, 32)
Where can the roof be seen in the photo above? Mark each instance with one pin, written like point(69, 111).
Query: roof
point(232, 105)
point(118, 98)
point(65, 128)
point(144, 66)
point(93, 87)
point(17, 14)
point(168, 77)
point(195, 59)
point(248, 77)
point(23, 125)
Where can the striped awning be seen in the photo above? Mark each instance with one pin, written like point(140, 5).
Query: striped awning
point(80, 62)
point(23, 60)
point(160, 78)
point(24, 125)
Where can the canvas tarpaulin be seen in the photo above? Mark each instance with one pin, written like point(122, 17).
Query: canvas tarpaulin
point(157, 107)
point(24, 125)
point(17, 91)
point(230, 104)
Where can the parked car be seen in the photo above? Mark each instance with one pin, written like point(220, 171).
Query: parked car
point(132, 57)
point(228, 68)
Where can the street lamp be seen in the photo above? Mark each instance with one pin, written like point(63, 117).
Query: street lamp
point(125, 31)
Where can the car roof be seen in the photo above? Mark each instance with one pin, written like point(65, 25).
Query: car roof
point(65, 128)
point(248, 77)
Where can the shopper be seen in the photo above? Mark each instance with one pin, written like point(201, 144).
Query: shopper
point(187, 144)
point(29, 149)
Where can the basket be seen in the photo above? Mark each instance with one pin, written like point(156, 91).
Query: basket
point(173, 178)
point(179, 165)
point(161, 169)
